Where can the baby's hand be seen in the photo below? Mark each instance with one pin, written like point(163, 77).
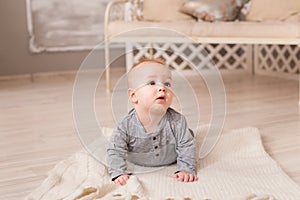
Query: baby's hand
point(185, 176)
point(122, 179)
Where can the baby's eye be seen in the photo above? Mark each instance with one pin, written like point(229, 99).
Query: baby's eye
point(167, 84)
point(151, 83)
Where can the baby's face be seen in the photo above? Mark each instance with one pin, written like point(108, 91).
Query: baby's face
point(151, 86)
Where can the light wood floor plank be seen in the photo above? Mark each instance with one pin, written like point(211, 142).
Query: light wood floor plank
point(37, 128)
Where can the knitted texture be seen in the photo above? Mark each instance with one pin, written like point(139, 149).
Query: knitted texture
point(238, 168)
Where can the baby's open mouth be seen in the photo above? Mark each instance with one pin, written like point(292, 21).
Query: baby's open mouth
point(161, 98)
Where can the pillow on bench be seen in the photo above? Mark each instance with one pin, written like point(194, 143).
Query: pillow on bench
point(164, 10)
point(277, 10)
point(213, 10)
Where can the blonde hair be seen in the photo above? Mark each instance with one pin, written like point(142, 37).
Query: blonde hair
point(143, 61)
point(147, 60)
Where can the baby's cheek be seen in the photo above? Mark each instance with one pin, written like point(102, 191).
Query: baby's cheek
point(170, 96)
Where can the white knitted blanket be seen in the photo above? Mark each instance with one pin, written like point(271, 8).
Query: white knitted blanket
point(237, 168)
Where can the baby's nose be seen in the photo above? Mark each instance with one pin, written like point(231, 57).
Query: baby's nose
point(161, 88)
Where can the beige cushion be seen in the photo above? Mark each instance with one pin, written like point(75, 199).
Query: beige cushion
point(293, 18)
point(273, 10)
point(150, 29)
point(164, 10)
point(205, 29)
point(248, 30)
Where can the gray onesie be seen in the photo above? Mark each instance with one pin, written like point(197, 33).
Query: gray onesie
point(172, 142)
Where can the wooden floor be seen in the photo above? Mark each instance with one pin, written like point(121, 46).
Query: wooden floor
point(37, 128)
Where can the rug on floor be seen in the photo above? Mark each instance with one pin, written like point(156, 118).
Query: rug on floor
point(238, 168)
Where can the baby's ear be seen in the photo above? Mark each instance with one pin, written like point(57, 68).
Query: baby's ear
point(131, 95)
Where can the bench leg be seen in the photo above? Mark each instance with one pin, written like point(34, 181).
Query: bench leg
point(107, 65)
point(129, 56)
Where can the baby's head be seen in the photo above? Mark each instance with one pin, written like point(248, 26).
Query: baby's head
point(149, 83)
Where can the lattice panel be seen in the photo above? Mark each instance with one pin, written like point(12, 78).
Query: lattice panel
point(278, 60)
point(182, 56)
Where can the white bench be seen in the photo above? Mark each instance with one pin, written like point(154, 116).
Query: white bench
point(121, 26)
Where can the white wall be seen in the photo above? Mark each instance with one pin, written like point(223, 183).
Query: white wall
point(15, 57)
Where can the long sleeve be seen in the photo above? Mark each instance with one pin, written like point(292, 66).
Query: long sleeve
point(186, 149)
point(117, 152)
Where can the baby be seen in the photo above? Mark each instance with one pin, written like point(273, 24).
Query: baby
point(152, 134)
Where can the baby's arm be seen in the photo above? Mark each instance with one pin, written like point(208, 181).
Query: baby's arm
point(186, 150)
point(116, 152)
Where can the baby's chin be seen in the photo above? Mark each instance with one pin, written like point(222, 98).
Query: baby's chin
point(157, 109)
